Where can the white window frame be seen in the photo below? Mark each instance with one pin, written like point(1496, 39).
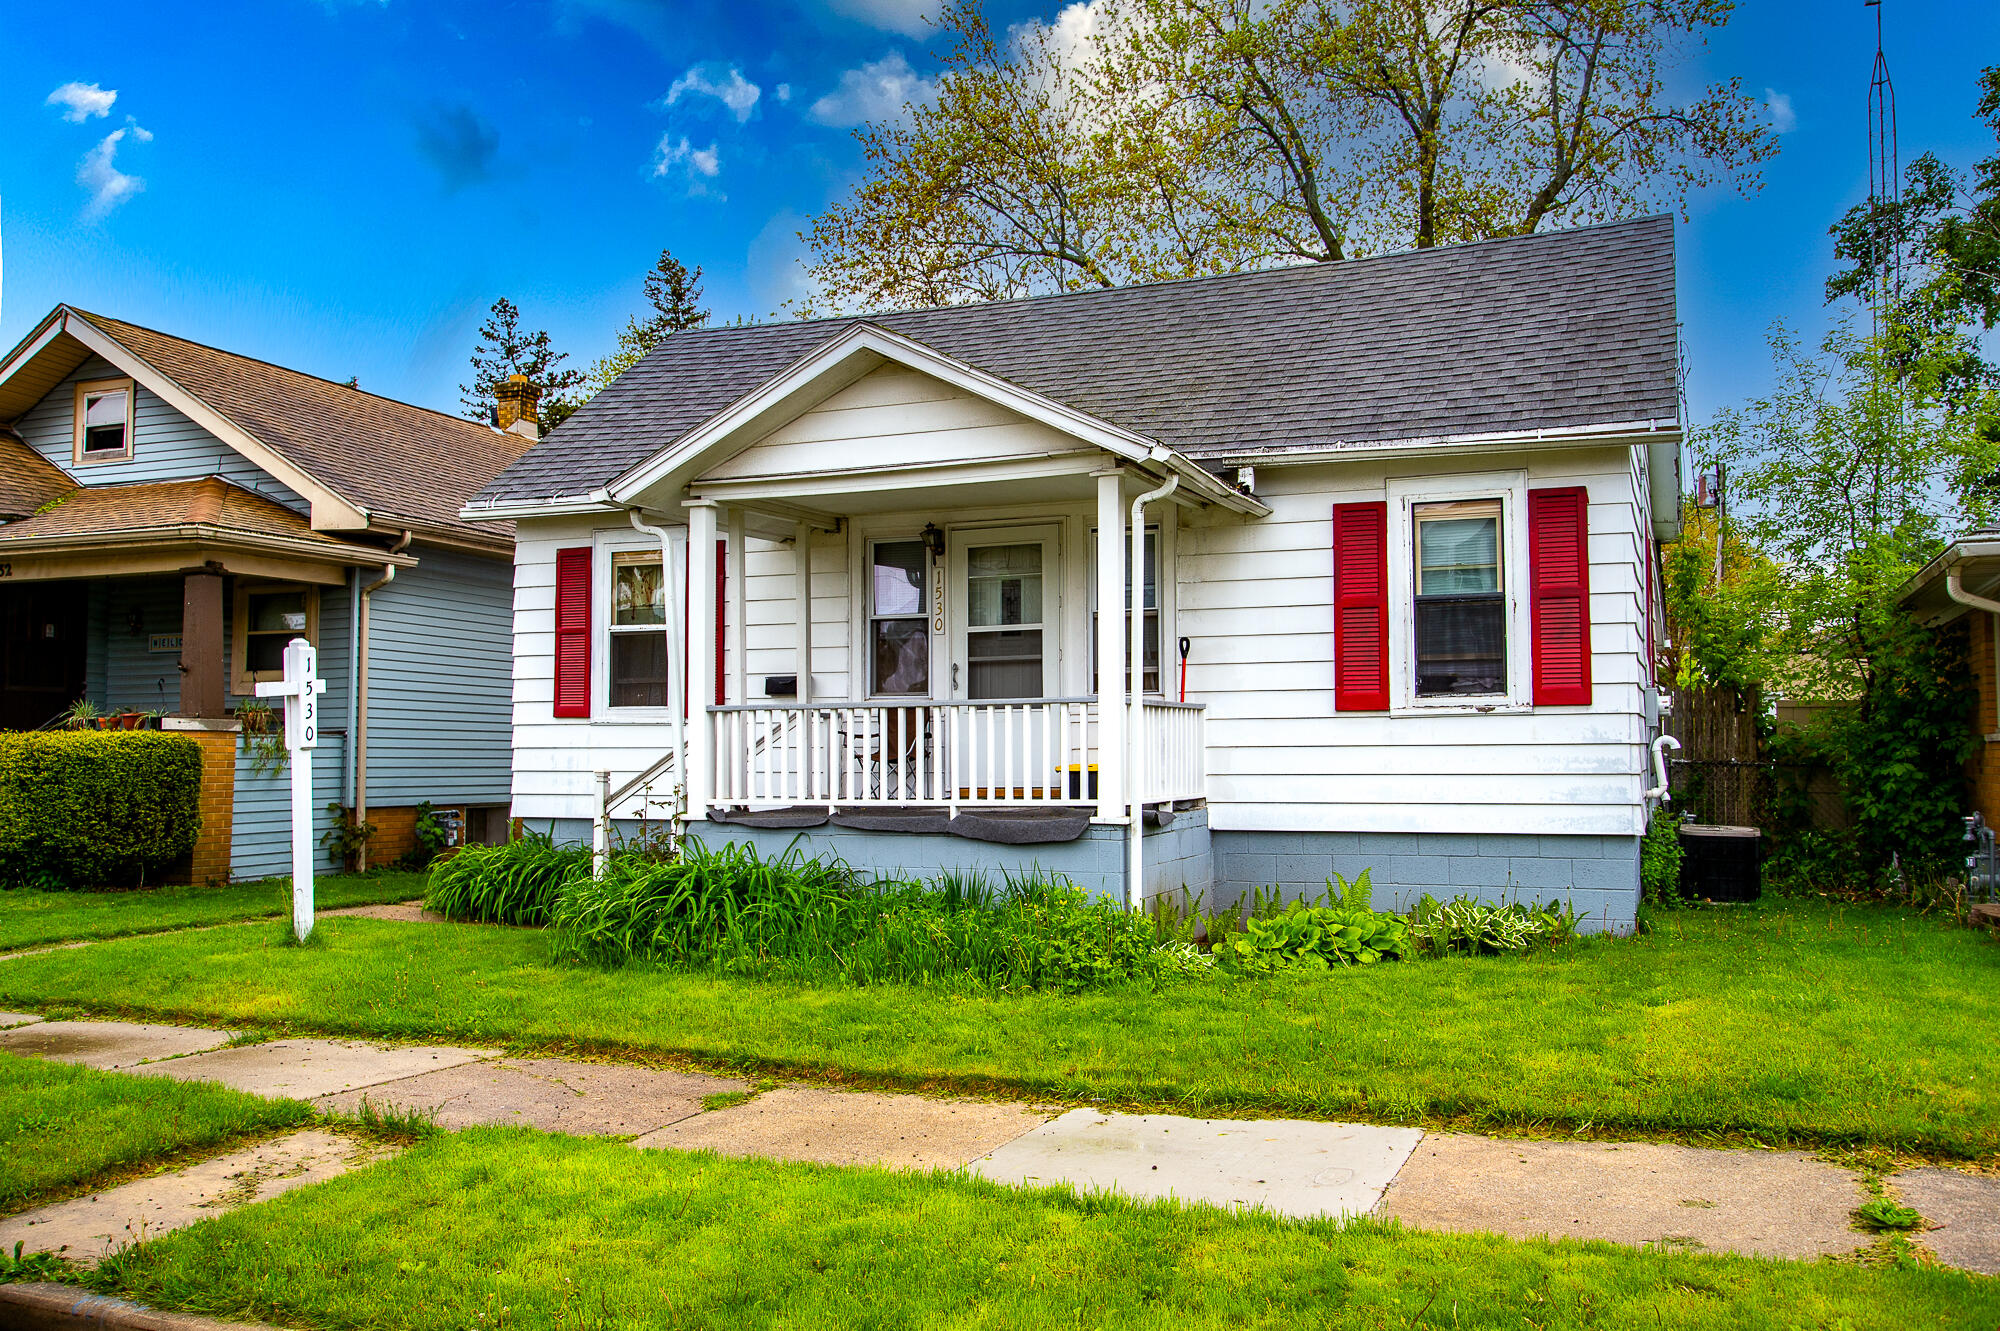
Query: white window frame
point(603, 577)
point(864, 664)
point(1405, 494)
point(84, 389)
point(1163, 530)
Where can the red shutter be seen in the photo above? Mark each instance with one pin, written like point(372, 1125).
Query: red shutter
point(1559, 594)
point(1360, 607)
point(572, 696)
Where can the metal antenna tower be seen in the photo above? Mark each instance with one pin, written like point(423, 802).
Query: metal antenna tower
point(1885, 182)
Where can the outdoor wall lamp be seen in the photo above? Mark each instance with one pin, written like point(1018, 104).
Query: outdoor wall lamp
point(933, 540)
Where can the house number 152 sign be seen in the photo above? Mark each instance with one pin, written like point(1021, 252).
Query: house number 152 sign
point(300, 689)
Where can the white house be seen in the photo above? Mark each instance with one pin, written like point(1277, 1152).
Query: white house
point(1400, 518)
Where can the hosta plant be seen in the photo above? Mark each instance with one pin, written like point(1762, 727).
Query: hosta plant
point(1465, 925)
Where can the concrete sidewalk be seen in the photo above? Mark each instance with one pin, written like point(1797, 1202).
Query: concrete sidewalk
point(1768, 1203)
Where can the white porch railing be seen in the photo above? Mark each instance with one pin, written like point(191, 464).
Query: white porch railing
point(1174, 748)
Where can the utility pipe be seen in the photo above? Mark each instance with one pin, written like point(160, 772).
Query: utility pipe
point(360, 733)
point(1660, 792)
point(676, 662)
point(1135, 744)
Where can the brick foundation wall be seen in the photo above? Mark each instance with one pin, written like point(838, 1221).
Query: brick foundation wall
point(210, 862)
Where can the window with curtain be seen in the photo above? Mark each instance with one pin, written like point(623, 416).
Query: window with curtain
point(1461, 610)
point(638, 662)
point(1003, 634)
point(899, 640)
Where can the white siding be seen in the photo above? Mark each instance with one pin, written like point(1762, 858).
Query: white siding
point(1256, 598)
point(894, 417)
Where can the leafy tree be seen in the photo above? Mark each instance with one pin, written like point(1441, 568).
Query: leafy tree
point(1729, 633)
point(675, 295)
point(1181, 137)
point(505, 349)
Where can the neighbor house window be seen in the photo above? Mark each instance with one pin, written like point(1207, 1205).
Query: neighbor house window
point(267, 616)
point(1461, 609)
point(899, 639)
point(103, 421)
point(638, 659)
point(1151, 639)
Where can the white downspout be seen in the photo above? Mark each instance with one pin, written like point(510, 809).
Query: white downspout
point(1135, 744)
point(676, 664)
point(1660, 745)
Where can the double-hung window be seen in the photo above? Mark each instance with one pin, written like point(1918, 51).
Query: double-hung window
point(637, 667)
point(103, 421)
point(899, 638)
point(267, 615)
point(1460, 601)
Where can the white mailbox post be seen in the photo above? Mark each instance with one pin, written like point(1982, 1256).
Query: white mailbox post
point(300, 689)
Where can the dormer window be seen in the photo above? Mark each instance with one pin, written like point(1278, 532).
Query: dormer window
point(103, 421)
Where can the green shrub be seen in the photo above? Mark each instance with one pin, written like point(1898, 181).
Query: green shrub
point(1338, 928)
point(1660, 855)
point(515, 883)
point(96, 808)
point(1465, 925)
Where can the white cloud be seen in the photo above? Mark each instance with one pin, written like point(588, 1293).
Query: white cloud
point(731, 89)
point(678, 157)
point(1783, 119)
point(909, 17)
point(81, 101)
point(783, 92)
point(878, 91)
point(98, 172)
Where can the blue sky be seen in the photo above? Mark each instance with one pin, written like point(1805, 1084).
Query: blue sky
point(344, 186)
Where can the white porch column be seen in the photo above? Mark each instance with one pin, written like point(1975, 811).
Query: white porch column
point(701, 653)
point(802, 592)
point(739, 601)
point(1110, 646)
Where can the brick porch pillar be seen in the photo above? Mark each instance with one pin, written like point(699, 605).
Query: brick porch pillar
point(217, 738)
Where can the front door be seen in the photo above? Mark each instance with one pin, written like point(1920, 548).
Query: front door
point(41, 652)
point(1005, 609)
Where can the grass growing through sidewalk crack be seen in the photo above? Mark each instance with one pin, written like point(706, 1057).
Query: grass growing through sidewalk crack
point(64, 1127)
point(509, 1226)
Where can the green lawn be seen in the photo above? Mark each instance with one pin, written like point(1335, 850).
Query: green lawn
point(506, 1227)
point(28, 917)
point(62, 1125)
point(1789, 1022)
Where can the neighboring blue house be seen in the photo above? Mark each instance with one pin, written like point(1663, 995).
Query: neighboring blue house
point(171, 514)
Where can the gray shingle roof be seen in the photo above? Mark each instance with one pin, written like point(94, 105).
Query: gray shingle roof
point(1563, 329)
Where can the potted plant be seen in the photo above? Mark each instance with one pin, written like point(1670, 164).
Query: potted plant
point(263, 737)
point(128, 720)
point(80, 715)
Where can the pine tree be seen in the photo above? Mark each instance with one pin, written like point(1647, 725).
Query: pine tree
point(675, 295)
point(504, 350)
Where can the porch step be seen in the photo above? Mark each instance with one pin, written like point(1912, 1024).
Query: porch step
point(1984, 916)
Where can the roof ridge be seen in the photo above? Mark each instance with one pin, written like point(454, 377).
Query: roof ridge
point(273, 365)
point(1272, 272)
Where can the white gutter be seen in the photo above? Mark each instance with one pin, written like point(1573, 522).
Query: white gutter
point(1135, 748)
point(1954, 587)
point(1555, 437)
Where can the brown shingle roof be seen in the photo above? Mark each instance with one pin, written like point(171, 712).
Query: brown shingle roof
point(160, 507)
point(394, 459)
point(27, 479)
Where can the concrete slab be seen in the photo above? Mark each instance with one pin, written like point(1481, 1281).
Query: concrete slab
point(305, 1069)
point(10, 1020)
point(1772, 1203)
point(88, 1228)
point(108, 1044)
point(1964, 1210)
point(1290, 1167)
point(409, 912)
point(852, 1128)
point(553, 1094)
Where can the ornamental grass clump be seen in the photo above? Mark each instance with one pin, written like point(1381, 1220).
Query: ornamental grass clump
point(514, 883)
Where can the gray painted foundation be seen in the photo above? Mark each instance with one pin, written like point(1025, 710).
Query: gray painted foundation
point(1597, 876)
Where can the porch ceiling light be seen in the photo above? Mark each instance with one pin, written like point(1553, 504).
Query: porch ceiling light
point(933, 540)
